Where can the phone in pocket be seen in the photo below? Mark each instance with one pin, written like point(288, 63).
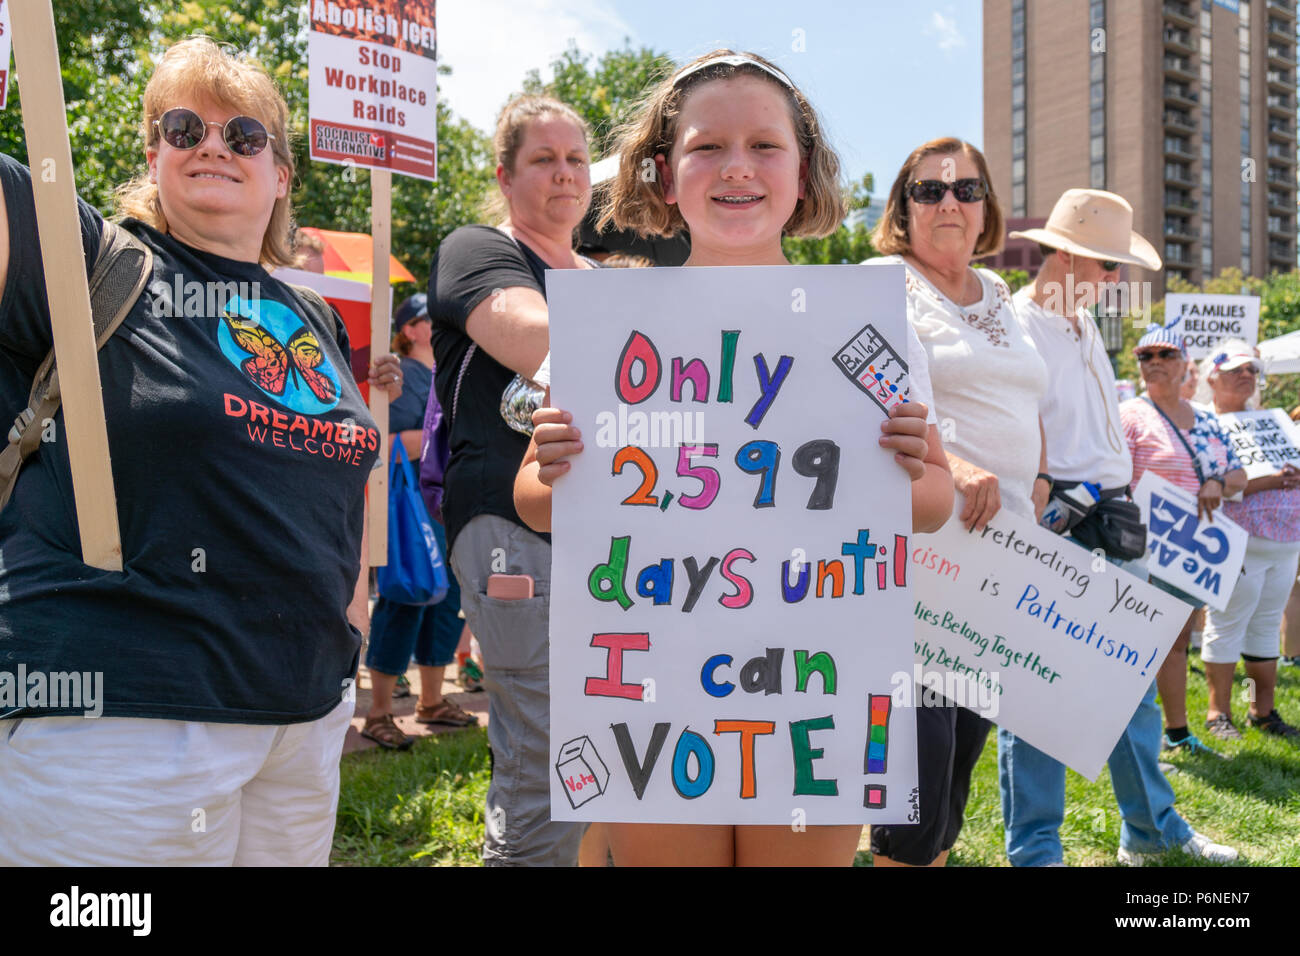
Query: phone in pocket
point(510, 587)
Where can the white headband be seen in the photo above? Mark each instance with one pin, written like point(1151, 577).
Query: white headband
point(734, 60)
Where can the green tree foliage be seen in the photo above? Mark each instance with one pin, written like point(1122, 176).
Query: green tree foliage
point(603, 94)
point(108, 49)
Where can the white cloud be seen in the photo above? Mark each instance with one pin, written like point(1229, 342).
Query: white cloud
point(491, 44)
point(945, 29)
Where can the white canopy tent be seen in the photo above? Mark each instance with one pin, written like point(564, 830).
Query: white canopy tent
point(1282, 354)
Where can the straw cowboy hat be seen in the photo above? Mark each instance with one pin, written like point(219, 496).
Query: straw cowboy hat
point(1096, 225)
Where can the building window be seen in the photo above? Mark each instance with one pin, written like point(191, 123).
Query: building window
point(1243, 43)
point(1097, 98)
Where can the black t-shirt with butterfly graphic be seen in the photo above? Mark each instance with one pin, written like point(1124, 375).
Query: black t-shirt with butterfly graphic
point(240, 449)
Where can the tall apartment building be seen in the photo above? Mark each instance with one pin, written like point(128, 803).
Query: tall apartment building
point(1187, 108)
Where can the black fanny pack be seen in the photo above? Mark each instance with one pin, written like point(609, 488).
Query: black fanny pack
point(1114, 525)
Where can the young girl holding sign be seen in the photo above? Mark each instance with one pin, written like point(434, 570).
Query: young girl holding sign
point(739, 160)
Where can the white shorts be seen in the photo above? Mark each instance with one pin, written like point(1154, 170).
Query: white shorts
point(1252, 621)
point(128, 791)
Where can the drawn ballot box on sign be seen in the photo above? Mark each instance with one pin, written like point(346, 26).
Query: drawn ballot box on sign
point(873, 365)
point(581, 770)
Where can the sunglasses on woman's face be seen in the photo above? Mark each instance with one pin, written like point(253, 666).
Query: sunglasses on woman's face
point(181, 128)
point(1167, 355)
point(927, 192)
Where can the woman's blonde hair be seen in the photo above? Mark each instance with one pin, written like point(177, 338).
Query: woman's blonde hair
point(197, 69)
point(512, 125)
point(635, 201)
point(890, 236)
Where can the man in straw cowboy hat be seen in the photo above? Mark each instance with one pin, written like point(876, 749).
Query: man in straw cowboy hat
point(1087, 237)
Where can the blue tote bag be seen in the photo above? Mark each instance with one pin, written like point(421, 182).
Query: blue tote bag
point(415, 573)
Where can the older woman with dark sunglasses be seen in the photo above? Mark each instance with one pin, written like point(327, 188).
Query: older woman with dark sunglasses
point(1184, 445)
point(1250, 625)
point(988, 380)
point(221, 660)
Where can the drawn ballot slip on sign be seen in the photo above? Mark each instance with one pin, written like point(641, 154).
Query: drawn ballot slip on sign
point(1037, 634)
point(730, 595)
point(372, 83)
point(1265, 441)
point(1205, 320)
point(1198, 556)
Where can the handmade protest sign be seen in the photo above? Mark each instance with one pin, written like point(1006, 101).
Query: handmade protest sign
point(1198, 556)
point(55, 195)
point(373, 80)
point(1265, 441)
point(1042, 636)
point(373, 83)
point(1204, 320)
point(729, 597)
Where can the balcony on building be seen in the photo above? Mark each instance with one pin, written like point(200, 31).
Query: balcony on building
point(1279, 30)
point(1179, 66)
point(1281, 103)
point(1179, 228)
point(1181, 92)
point(1178, 40)
point(1180, 200)
point(1283, 253)
point(1281, 153)
point(1179, 120)
point(1281, 55)
point(1180, 12)
point(1177, 254)
point(1178, 147)
point(1281, 79)
point(1280, 128)
point(1178, 173)
point(1280, 177)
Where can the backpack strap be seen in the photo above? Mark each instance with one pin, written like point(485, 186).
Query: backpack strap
point(123, 265)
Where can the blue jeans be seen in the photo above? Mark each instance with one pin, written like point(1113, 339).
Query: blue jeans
point(1033, 792)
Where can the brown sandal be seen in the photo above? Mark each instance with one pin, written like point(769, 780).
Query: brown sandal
point(385, 732)
point(445, 713)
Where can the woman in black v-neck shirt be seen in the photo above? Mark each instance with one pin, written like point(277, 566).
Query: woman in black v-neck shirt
point(487, 300)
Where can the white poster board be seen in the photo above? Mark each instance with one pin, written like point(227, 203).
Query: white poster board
point(730, 608)
point(373, 84)
point(1039, 635)
point(1198, 556)
point(1204, 319)
point(1264, 440)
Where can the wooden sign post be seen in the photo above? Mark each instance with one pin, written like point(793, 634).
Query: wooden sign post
point(36, 57)
point(381, 220)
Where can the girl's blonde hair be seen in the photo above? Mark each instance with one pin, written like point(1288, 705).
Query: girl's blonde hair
point(636, 201)
point(196, 69)
point(512, 126)
point(891, 236)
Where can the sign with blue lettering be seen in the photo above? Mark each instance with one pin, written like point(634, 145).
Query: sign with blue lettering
point(1201, 556)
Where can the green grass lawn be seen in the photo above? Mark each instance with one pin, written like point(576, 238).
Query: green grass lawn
point(425, 807)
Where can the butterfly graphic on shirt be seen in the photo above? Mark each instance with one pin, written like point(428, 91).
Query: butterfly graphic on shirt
point(271, 363)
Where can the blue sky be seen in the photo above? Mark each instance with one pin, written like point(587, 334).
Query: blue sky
point(885, 76)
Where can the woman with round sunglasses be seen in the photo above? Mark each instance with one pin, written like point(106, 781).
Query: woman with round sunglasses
point(988, 380)
point(220, 662)
point(1184, 445)
point(1250, 626)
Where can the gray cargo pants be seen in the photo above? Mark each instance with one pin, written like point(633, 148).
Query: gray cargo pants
point(513, 636)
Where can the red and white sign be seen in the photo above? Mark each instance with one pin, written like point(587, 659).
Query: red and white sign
point(373, 83)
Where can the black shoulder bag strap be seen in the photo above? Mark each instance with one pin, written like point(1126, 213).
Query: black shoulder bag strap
point(1200, 476)
point(123, 265)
